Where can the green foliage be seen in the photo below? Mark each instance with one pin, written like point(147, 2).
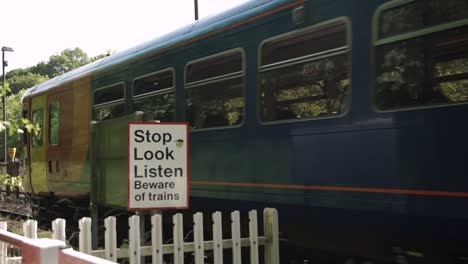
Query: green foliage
point(15, 124)
point(25, 81)
point(6, 179)
point(66, 61)
point(4, 89)
point(42, 68)
point(21, 79)
point(101, 56)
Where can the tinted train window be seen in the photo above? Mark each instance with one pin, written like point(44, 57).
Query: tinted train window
point(420, 14)
point(109, 102)
point(54, 122)
point(215, 91)
point(155, 94)
point(425, 61)
point(37, 121)
point(305, 75)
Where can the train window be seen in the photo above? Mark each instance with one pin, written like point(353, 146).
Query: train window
point(37, 121)
point(420, 14)
point(215, 67)
point(109, 102)
point(155, 94)
point(54, 122)
point(215, 91)
point(305, 75)
point(427, 66)
point(25, 130)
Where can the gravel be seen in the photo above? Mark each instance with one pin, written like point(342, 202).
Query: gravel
point(16, 205)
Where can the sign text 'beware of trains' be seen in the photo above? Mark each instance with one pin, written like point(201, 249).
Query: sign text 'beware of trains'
point(157, 166)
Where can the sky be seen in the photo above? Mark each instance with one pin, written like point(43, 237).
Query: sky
point(37, 29)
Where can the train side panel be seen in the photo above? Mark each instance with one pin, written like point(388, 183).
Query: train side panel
point(59, 152)
point(68, 171)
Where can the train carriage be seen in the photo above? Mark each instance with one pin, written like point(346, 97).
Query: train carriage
point(349, 116)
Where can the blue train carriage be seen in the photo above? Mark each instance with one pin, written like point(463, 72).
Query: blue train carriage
point(349, 116)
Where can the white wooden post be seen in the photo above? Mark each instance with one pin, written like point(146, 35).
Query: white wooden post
point(156, 238)
point(58, 228)
point(270, 227)
point(178, 234)
point(110, 236)
point(85, 235)
point(217, 238)
point(134, 242)
point(3, 245)
point(198, 238)
point(253, 237)
point(236, 239)
point(30, 229)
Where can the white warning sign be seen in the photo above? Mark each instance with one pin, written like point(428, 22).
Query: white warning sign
point(158, 166)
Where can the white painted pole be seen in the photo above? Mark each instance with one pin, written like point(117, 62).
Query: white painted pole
point(236, 239)
point(198, 238)
point(58, 228)
point(253, 237)
point(85, 235)
point(30, 229)
point(3, 245)
point(156, 238)
point(217, 238)
point(178, 234)
point(270, 227)
point(110, 242)
point(134, 239)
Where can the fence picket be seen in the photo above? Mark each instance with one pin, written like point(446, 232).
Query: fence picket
point(3, 245)
point(134, 240)
point(253, 237)
point(236, 238)
point(198, 238)
point(178, 234)
point(110, 242)
point(58, 228)
point(156, 238)
point(217, 238)
point(85, 235)
point(270, 229)
point(135, 251)
point(30, 229)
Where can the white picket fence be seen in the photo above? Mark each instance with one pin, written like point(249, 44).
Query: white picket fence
point(198, 248)
point(16, 249)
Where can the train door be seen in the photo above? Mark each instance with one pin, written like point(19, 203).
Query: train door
point(59, 135)
point(53, 139)
point(38, 145)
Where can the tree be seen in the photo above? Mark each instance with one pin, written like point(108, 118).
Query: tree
point(14, 113)
point(100, 56)
point(42, 68)
point(21, 79)
point(25, 81)
point(67, 60)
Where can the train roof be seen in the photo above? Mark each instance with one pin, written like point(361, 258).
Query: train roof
point(198, 28)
